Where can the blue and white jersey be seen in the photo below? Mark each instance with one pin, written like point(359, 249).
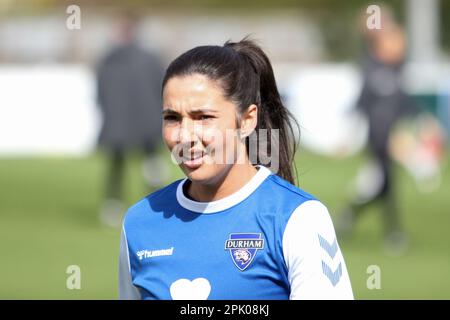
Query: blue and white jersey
point(269, 240)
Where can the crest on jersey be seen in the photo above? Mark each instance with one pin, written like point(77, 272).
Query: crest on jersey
point(243, 248)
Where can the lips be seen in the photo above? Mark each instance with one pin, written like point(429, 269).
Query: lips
point(194, 161)
point(193, 155)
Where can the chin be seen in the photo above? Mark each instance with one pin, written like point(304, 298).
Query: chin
point(203, 174)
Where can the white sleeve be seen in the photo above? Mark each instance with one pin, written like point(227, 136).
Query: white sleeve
point(127, 291)
point(316, 267)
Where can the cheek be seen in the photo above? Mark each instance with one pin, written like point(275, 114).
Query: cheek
point(221, 133)
point(220, 143)
point(210, 136)
point(216, 137)
point(170, 135)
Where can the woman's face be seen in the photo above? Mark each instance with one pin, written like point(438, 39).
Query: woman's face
point(199, 127)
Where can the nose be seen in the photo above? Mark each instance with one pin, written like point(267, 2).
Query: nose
point(187, 134)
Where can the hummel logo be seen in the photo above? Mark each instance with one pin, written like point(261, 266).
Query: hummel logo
point(143, 254)
point(335, 276)
point(331, 249)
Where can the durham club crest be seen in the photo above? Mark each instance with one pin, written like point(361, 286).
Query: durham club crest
point(243, 248)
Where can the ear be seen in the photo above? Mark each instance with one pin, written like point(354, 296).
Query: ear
point(249, 120)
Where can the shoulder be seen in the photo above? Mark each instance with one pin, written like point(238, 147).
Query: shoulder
point(309, 229)
point(311, 215)
point(287, 197)
point(287, 189)
point(152, 203)
point(310, 219)
point(295, 206)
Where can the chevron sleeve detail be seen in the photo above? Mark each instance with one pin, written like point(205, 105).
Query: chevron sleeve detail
point(316, 266)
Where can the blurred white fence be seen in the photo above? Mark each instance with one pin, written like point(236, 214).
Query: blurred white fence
point(47, 110)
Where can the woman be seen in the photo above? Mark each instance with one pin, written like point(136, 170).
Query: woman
point(231, 229)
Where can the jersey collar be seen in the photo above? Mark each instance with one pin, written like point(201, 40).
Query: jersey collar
point(227, 202)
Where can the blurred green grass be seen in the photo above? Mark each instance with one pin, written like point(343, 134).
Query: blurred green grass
point(49, 220)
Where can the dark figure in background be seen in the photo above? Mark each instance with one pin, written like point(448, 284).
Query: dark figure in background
point(383, 102)
point(129, 84)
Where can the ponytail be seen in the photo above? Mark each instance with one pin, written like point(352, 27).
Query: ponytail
point(272, 114)
point(246, 76)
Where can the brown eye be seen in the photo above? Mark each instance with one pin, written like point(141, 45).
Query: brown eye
point(170, 118)
point(205, 117)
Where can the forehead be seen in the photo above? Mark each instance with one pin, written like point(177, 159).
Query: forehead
point(193, 91)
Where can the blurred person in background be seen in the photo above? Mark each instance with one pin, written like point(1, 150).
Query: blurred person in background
point(129, 83)
point(383, 102)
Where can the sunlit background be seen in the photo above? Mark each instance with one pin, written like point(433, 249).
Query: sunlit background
point(52, 174)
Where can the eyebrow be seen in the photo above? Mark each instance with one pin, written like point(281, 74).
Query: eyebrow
point(194, 111)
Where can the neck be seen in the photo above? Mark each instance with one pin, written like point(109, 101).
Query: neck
point(231, 181)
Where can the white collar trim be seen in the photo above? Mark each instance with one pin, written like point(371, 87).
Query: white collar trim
point(227, 202)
